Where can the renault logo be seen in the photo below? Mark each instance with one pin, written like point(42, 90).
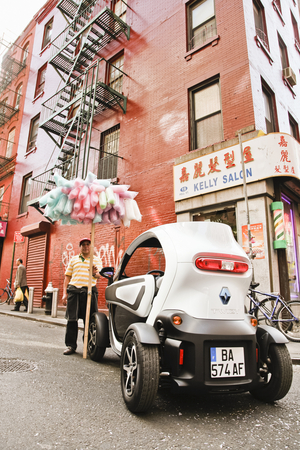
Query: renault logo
point(225, 295)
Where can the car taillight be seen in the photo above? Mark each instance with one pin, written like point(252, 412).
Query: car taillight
point(221, 265)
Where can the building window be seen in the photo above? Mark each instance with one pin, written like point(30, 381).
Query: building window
point(294, 129)
point(25, 53)
point(202, 22)
point(207, 127)
point(115, 73)
point(120, 9)
point(269, 109)
point(226, 215)
point(278, 5)
point(260, 23)
point(25, 193)
point(33, 132)
point(40, 81)
point(109, 150)
point(283, 53)
point(10, 142)
point(296, 32)
point(18, 96)
point(47, 33)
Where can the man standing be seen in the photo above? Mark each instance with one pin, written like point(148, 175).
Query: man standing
point(21, 282)
point(76, 290)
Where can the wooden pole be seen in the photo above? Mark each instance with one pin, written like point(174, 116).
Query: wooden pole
point(89, 295)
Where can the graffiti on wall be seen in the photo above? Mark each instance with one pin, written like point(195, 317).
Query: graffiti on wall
point(105, 252)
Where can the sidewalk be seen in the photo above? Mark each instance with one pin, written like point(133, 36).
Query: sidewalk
point(39, 315)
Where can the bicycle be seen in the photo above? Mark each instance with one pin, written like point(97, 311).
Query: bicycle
point(273, 310)
point(6, 294)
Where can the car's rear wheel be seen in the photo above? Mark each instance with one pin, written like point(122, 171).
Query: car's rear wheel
point(139, 373)
point(95, 352)
point(278, 376)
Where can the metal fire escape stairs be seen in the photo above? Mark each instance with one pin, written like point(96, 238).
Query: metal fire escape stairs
point(67, 116)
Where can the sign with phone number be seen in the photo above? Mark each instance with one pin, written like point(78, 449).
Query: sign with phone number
point(227, 362)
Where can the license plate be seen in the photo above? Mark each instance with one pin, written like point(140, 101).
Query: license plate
point(227, 362)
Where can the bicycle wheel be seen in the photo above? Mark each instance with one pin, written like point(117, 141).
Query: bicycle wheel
point(3, 296)
point(264, 312)
point(286, 323)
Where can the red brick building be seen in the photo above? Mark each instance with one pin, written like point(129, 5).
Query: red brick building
point(163, 82)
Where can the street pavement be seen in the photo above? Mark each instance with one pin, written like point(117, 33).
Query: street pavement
point(39, 315)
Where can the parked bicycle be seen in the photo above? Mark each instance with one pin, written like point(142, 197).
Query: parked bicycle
point(6, 294)
point(273, 310)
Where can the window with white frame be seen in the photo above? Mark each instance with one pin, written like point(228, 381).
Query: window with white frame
point(269, 108)
point(201, 22)
point(260, 23)
point(294, 128)
point(206, 112)
point(47, 33)
point(18, 96)
point(115, 76)
point(10, 142)
point(33, 132)
point(120, 9)
point(25, 193)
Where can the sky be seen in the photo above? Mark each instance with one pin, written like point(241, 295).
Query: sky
point(14, 17)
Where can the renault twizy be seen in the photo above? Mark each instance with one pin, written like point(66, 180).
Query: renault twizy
point(176, 313)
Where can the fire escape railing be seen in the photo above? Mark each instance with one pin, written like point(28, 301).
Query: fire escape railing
point(67, 116)
point(10, 69)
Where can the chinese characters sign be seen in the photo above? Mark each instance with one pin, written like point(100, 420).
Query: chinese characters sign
point(275, 154)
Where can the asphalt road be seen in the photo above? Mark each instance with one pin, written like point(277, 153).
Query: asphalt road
point(51, 401)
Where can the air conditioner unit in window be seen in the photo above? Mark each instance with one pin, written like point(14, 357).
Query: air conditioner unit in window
point(290, 76)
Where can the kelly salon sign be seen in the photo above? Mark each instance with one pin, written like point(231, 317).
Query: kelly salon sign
point(275, 154)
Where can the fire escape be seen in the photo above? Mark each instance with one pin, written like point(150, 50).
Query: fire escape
point(67, 116)
point(10, 69)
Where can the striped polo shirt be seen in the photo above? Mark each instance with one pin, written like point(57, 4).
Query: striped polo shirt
point(78, 270)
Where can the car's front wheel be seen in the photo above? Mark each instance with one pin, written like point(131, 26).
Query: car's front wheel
point(139, 373)
point(278, 375)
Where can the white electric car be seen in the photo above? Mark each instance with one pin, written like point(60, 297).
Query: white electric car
point(176, 312)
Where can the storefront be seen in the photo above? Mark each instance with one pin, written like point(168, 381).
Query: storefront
point(209, 187)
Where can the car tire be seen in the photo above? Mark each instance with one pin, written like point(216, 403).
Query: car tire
point(139, 373)
point(95, 352)
point(279, 377)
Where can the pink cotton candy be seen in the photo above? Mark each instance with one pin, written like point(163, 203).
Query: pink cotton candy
point(81, 214)
point(66, 190)
point(77, 205)
point(105, 217)
point(87, 221)
point(83, 192)
point(97, 187)
point(91, 213)
point(74, 193)
point(117, 188)
point(119, 205)
point(128, 194)
point(74, 216)
point(99, 209)
point(113, 215)
point(108, 207)
point(94, 198)
point(86, 203)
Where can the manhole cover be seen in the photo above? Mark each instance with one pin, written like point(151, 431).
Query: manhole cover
point(16, 365)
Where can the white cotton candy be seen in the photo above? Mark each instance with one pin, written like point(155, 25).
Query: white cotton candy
point(102, 200)
point(136, 210)
point(110, 196)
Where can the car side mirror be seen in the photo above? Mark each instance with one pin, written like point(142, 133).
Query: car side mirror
point(107, 272)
